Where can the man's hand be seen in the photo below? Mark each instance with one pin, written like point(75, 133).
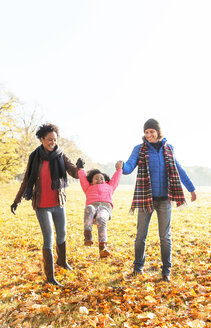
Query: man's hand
point(193, 196)
point(119, 165)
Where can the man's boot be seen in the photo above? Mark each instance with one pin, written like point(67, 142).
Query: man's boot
point(61, 260)
point(49, 267)
point(103, 249)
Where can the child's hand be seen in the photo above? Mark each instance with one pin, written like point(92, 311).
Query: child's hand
point(119, 165)
point(80, 163)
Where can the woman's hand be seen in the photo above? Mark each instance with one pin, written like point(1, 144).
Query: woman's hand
point(14, 207)
point(193, 196)
point(80, 163)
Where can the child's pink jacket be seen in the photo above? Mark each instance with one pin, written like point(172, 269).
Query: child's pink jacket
point(99, 192)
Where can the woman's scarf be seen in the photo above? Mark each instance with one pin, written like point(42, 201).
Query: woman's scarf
point(142, 198)
point(57, 169)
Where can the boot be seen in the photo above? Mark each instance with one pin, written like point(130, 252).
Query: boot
point(103, 250)
point(135, 273)
point(61, 251)
point(166, 277)
point(48, 267)
point(88, 238)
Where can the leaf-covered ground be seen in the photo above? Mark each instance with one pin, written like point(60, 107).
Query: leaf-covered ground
point(97, 292)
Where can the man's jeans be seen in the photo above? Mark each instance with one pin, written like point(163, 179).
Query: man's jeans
point(46, 217)
point(163, 209)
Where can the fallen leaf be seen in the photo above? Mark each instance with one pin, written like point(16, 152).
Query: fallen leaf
point(83, 310)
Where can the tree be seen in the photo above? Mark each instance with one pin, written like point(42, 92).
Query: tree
point(17, 129)
point(9, 157)
point(70, 149)
point(28, 123)
point(17, 137)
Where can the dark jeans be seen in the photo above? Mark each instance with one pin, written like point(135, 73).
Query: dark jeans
point(47, 217)
point(163, 209)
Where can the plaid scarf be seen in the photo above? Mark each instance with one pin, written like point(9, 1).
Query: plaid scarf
point(143, 193)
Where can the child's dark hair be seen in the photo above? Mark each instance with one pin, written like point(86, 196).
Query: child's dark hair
point(91, 173)
point(44, 129)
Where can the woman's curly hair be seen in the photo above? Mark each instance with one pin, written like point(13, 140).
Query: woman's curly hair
point(44, 129)
point(91, 173)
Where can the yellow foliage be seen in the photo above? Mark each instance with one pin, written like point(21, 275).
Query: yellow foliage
point(18, 140)
point(100, 285)
point(9, 157)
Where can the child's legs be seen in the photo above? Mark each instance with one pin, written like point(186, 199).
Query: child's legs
point(102, 216)
point(89, 214)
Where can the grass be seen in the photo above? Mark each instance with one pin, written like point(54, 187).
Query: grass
point(101, 285)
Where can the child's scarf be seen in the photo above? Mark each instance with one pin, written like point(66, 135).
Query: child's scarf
point(142, 198)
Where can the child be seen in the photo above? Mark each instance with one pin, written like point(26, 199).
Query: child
point(98, 189)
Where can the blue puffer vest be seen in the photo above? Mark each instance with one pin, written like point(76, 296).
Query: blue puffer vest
point(157, 168)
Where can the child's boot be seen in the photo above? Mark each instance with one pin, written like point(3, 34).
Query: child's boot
point(88, 238)
point(103, 249)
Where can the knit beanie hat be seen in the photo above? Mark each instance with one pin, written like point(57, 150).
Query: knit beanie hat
point(152, 124)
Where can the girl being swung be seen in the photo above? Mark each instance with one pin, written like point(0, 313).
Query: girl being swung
point(98, 189)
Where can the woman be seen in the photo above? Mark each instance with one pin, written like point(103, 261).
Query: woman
point(157, 186)
point(44, 182)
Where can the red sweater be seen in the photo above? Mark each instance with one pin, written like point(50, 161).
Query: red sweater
point(49, 197)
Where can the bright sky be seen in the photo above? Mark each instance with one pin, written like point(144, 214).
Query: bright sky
point(99, 69)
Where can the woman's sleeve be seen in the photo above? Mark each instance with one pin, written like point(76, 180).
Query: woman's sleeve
point(83, 180)
point(132, 161)
point(115, 179)
point(70, 167)
point(23, 185)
